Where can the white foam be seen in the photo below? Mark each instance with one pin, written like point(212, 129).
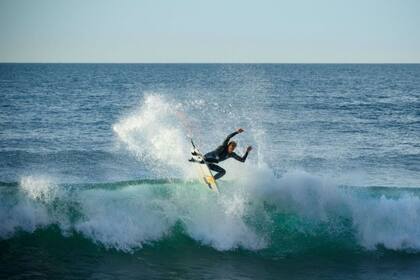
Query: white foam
point(219, 221)
point(27, 211)
point(128, 217)
point(156, 136)
point(392, 223)
point(389, 222)
point(124, 219)
point(38, 187)
point(22, 215)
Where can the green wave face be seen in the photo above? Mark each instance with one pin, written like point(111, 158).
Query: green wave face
point(293, 216)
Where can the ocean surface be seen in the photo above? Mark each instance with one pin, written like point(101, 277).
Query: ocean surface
point(95, 182)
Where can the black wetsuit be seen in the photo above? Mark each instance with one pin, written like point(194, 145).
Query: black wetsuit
point(221, 154)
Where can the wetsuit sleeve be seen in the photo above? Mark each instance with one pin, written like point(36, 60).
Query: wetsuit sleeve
point(226, 142)
point(239, 158)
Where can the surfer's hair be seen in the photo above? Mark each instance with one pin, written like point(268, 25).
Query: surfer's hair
point(232, 143)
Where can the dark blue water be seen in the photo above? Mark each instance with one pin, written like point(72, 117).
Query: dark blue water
point(95, 182)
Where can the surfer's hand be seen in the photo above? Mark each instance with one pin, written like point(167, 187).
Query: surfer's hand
point(240, 130)
point(249, 149)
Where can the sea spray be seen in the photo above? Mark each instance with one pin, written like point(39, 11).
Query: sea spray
point(389, 222)
point(293, 214)
point(124, 219)
point(258, 210)
point(155, 135)
point(25, 208)
point(374, 221)
point(41, 188)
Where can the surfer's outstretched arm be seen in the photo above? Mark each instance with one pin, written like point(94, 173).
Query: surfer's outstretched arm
point(226, 142)
point(242, 158)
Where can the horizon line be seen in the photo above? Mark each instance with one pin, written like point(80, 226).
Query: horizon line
point(204, 62)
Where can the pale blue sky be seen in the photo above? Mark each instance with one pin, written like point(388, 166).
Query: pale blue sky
point(210, 31)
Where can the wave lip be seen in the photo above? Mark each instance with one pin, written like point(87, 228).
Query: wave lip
point(295, 214)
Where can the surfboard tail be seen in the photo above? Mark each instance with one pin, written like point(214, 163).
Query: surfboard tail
point(203, 169)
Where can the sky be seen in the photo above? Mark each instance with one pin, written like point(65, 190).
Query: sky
point(194, 31)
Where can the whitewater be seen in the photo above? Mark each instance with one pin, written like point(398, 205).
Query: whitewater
point(244, 216)
point(100, 164)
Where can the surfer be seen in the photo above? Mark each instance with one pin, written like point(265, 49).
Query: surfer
point(223, 152)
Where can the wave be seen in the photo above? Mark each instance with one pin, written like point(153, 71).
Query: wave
point(257, 211)
point(292, 215)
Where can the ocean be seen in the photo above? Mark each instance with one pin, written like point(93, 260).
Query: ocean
point(95, 181)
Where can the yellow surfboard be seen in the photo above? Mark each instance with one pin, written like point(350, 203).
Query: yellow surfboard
point(204, 171)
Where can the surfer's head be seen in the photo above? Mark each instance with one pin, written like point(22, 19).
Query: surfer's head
point(231, 147)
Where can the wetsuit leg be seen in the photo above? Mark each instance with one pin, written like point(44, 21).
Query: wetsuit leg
point(220, 171)
point(210, 159)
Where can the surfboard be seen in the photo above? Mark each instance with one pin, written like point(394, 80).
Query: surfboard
point(203, 169)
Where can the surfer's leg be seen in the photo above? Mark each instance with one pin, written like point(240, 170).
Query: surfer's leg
point(220, 171)
point(210, 159)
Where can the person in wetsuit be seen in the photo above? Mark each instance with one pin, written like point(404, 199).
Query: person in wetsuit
point(223, 152)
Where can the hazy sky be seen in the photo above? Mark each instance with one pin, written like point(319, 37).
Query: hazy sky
point(210, 31)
